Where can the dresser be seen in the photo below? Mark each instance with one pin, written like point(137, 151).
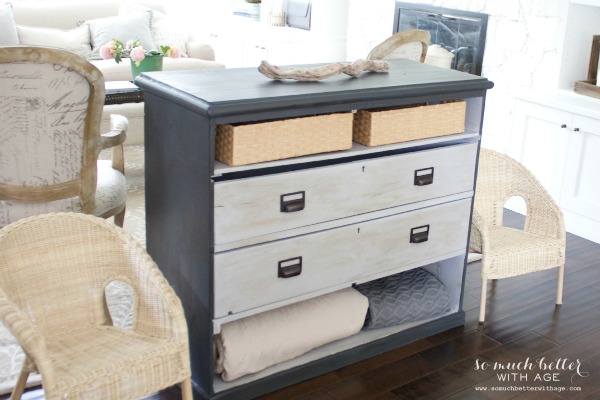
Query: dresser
point(238, 241)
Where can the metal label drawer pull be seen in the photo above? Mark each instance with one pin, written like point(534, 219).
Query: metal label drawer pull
point(419, 234)
point(424, 176)
point(289, 268)
point(292, 202)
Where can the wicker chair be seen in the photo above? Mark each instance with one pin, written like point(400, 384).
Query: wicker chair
point(508, 252)
point(54, 269)
point(411, 44)
point(51, 102)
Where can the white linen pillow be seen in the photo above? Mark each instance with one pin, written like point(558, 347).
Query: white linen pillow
point(76, 40)
point(8, 29)
point(164, 31)
point(123, 28)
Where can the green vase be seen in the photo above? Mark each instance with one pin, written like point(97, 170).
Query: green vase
point(150, 63)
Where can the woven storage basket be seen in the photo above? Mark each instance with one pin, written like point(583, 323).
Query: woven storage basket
point(379, 127)
point(275, 140)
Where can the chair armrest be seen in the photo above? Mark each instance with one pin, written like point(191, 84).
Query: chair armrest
point(115, 139)
point(201, 50)
point(34, 345)
point(159, 311)
point(117, 134)
point(479, 233)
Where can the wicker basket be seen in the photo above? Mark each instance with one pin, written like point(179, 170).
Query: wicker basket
point(275, 140)
point(379, 127)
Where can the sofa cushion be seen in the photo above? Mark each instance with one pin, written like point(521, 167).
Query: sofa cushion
point(123, 28)
point(75, 40)
point(122, 71)
point(8, 30)
point(164, 31)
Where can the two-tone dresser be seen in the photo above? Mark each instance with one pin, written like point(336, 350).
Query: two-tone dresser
point(235, 241)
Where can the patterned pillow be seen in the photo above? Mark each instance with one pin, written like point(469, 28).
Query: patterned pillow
point(8, 30)
point(76, 40)
point(164, 31)
point(406, 297)
point(123, 28)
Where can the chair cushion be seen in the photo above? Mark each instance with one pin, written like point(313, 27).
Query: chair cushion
point(122, 71)
point(111, 189)
point(8, 30)
point(111, 192)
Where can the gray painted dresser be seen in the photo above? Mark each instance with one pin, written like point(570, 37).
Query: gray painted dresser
point(218, 232)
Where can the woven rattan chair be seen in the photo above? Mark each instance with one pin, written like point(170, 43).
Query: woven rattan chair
point(508, 252)
point(411, 44)
point(51, 102)
point(54, 269)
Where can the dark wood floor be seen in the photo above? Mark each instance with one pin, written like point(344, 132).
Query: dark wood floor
point(522, 323)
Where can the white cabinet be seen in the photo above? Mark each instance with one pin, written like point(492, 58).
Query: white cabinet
point(540, 136)
point(581, 184)
point(560, 147)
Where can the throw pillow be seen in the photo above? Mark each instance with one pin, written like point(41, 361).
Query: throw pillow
point(8, 29)
point(75, 40)
point(123, 28)
point(164, 31)
point(405, 297)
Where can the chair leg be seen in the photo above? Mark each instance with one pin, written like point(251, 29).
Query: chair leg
point(119, 218)
point(483, 300)
point(186, 389)
point(559, 290)
point(21, 382)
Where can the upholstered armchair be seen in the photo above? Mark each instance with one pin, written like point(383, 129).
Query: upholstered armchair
point(51, 104)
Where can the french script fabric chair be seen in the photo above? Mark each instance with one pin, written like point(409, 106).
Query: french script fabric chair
point(411, 44)
point(50, 108)
point(54, 270)
point(508, 252)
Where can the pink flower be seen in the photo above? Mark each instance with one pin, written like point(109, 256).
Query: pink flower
point(108, 50)
point(137, 54)
point(174, 52)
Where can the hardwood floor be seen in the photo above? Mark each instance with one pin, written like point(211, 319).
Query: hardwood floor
point(523, 325)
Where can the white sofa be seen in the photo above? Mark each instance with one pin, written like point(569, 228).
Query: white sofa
point(67, 23)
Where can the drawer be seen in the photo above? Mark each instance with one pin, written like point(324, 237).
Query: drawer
point(259, 275)
point(252, 207)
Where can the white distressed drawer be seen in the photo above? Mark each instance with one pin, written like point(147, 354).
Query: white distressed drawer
point(253, 207)
point(251, 277)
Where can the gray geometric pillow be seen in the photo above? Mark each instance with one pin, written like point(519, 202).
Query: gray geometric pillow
point(405, 297)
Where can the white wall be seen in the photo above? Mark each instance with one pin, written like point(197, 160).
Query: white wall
point(521, 51)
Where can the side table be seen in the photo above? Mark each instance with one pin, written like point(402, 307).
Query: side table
point(119, 92)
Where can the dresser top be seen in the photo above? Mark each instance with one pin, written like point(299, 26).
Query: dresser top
point(224, 91)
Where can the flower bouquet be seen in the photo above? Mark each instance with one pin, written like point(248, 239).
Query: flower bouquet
point(141, 59)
